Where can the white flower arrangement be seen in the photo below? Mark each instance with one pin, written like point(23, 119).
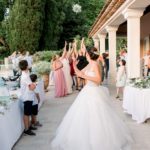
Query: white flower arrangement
point(4, 104)
point(140, 83)
point(76, 8)
point(41, 67)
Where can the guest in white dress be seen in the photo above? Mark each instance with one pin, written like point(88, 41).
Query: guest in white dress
point(91, 123)
point(121, 77)
point(146, 61)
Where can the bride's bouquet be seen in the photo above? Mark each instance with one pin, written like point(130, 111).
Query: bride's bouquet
point(76, 8)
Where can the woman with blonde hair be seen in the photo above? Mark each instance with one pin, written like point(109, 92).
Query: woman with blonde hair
point(121, 77)
point(59, 79)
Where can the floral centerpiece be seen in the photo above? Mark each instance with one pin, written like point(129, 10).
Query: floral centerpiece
point(42, 68)
point(140, 83)
point(5, 102)
point(4, 96)
point(76, 8)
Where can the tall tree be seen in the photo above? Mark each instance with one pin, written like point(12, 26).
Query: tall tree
point(4, 49)
point(54, 16)
point(3, 4)
point(26, 24)
point(2, 11)
point(45, 24)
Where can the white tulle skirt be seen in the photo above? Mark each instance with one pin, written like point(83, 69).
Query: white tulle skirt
point(92, 124)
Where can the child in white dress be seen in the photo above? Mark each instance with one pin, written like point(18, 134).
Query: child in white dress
point(121, 77)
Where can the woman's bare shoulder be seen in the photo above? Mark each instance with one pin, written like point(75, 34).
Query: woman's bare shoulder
point(95, 64)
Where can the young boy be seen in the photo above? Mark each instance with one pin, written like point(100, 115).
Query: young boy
point(27, 89)
point(36, 101)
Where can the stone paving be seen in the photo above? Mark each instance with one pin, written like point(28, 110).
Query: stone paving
point(54, 109)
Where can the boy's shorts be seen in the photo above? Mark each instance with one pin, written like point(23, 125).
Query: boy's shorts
point(28, 108)
point(35, 110)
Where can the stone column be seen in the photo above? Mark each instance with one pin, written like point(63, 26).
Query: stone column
point(96, 43)
point(133, 38)
point(112, 53)
point(102, 47)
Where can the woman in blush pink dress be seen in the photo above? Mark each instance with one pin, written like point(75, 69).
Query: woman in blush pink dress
point(64, 58)
point(59, 79)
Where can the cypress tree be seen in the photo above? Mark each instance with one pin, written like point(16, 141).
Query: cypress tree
point(26, 24)
point(2, 9)
point(54, 17)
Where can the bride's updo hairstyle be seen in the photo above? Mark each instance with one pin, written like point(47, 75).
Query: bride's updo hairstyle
point(93, 53)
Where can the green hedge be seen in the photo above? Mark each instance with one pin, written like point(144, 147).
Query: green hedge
point(3, 53)
point(44, 55)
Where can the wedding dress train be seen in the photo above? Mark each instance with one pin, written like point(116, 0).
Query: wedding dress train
point(91, 123)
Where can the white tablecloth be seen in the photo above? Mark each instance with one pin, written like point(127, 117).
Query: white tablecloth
point(11, 123)
point(137, 103)
point(11, 126)
point(42, 92)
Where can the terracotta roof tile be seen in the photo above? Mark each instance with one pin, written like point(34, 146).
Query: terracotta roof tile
point(107, 11)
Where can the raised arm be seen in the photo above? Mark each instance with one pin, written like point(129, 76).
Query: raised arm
point(65, 50)
point(75, 48)
point(83, 47)
point(69, 51)
point(70, 47)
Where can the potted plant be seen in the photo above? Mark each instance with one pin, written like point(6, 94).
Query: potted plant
point(42, 68)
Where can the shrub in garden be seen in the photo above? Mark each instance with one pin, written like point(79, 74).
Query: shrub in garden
point(44, 56)
point(41, 67)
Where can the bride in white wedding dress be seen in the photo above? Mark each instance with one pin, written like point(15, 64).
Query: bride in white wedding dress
point(91, 123)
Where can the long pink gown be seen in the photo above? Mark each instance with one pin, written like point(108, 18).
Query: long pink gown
point(59, 80)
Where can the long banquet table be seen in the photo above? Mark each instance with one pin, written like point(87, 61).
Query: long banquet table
point(11, 126)
point(137, 103)
point(11, 123)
